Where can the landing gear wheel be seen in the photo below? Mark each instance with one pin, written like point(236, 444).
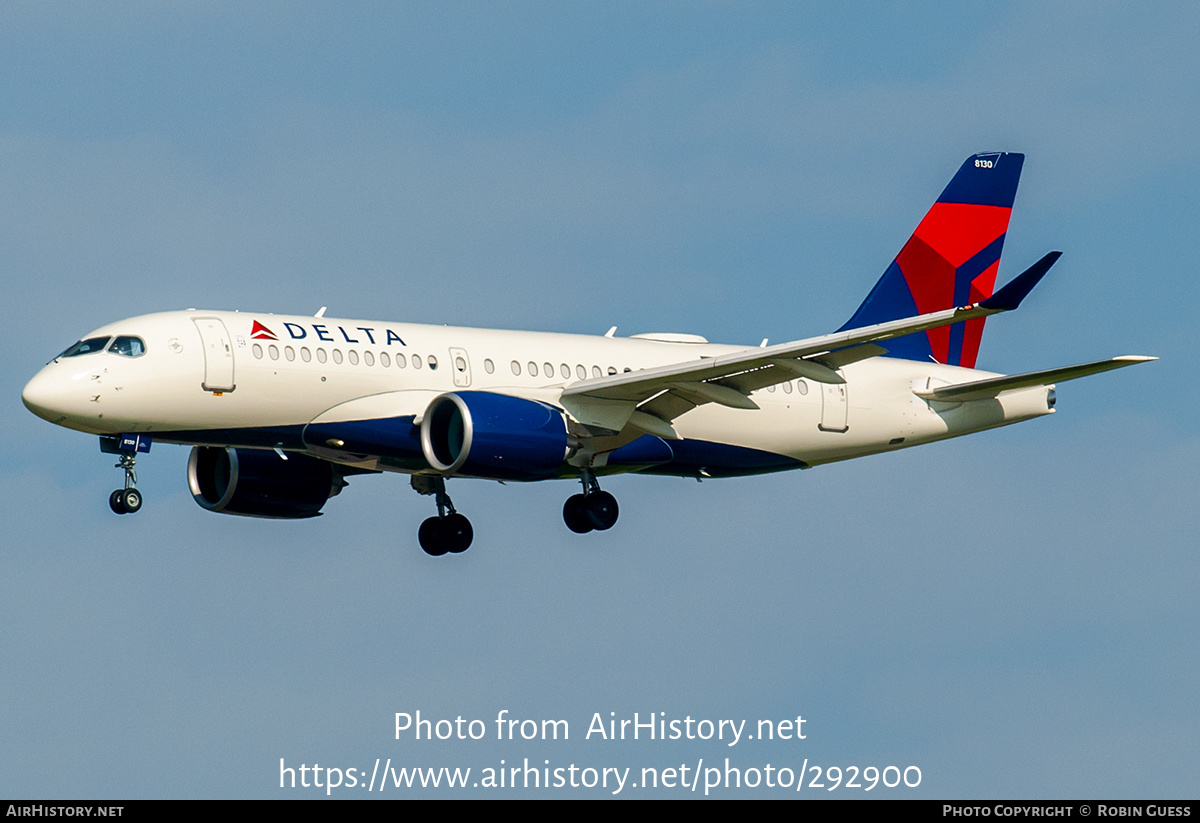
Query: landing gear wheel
point(575, 514)
point(125, 501)
point(430, 537)
point(449, 531)
point(131, 500)
point(602, 510)
point(456, 533)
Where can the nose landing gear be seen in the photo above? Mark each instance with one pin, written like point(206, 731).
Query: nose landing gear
point(593, 510)
point(125, 500)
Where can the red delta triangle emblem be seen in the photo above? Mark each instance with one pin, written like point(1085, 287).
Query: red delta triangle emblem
point(260, 332)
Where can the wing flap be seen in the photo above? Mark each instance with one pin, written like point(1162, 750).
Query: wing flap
point(667, 406)
point(844, 357)
point(641, 385)
point(609, 402)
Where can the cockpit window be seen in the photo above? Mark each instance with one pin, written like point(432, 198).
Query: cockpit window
point(89, 346)
point(128, 346)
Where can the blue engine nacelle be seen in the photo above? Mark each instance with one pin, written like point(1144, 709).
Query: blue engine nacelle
point(257, 483)
point(495, 436)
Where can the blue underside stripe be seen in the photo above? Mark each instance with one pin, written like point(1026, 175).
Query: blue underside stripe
point(689, 458)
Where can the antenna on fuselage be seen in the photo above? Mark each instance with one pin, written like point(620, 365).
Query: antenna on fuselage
point(611, 332)
point(321, 313)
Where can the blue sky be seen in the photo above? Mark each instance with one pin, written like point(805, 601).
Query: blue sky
point(1013, 613)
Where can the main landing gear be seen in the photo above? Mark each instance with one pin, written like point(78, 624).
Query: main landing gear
point(449, 531)
point(594, 509)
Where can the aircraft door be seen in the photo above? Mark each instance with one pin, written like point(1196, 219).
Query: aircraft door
point(218, 354)
point(460, 364)
point(833, 407)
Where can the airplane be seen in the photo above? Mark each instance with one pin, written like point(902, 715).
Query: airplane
point(281, 410)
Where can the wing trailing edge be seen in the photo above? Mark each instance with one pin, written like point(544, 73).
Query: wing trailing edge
point(608, 402)
point(639, 385)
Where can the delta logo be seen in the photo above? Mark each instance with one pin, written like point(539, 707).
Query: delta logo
point(323, 333)
point(260, 332)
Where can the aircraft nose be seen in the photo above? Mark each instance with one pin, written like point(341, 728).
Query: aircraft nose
point(44, 396)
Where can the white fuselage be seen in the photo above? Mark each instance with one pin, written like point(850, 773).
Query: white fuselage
point(218, 378)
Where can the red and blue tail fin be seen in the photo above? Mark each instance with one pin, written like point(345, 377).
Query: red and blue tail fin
point(950, 260)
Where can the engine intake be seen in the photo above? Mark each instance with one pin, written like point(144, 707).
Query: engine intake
point(494, 436)
point(256, 483)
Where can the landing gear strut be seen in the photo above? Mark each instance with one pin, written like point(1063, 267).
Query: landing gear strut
point(449, 531)
point(594, 509)
point(127, 500)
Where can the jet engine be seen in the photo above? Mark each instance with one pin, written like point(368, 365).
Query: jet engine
point(495, 436)
point(257, 483)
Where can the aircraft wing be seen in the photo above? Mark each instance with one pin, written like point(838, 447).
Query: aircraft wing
point(613, 401)
point(983, 389)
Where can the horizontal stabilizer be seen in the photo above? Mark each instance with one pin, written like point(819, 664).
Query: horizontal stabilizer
point(983, 389)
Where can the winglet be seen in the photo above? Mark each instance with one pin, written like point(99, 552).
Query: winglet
point(1009, 297)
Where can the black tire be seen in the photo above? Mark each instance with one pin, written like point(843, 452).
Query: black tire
point(430, 537)
point(575, 514)
point(602, 510)
point(456, 533)
point(114, 502)
point(131, 499)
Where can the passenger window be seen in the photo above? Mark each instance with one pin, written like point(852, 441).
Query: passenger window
point(289, 353)
point(305, 354)
point(401, 362)
point(565, 371)
point(257, 351)
point(432, 362)
point(337, 355)
point(352, 356)
point(273, 351)
point(416, 358)
point(548, 369)
point(532, 369)
point(581, 371)
point(320, 355)
point(368, 358)
point(596, 372)
point(489, 366)
point(385, 359)
point(516, 367)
